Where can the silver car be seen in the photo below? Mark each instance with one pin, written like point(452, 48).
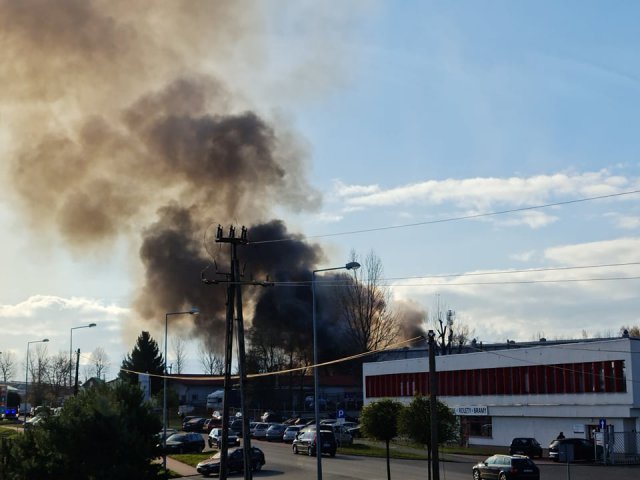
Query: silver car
point(291, 433)
point(261, 430)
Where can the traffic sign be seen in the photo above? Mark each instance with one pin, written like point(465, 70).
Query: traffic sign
point(603, 423)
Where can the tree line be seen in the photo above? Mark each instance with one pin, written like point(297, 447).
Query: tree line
point(51, 376)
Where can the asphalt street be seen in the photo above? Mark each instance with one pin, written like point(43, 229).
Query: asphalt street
point(282, 463)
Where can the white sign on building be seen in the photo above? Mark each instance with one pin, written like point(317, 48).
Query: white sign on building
point(475, 410)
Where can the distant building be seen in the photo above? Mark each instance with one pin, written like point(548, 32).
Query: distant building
point(282, 393)
point(535, 389)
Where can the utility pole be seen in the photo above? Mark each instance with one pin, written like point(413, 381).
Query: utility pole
point(433, 404)
point(75, 385)
point(234, 306)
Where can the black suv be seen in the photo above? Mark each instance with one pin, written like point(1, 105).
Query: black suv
point(306, 442)
point(525, 446)
point(506, 467)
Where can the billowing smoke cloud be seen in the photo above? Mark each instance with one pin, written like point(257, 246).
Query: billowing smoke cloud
point(411, 318)
point(121, 126)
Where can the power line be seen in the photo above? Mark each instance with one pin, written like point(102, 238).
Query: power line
point(452, 219)
point(385, 281)
point(528, 270)
point(395, 347)
point(516, 282)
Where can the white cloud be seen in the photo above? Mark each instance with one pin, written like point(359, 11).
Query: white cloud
point(561, 303)
point(342, 190)
point(620, 250)
point(327, 217)
point(625, 222)
point(532, 218)
point(483, 193)
point(37, 304)
point(523, 256)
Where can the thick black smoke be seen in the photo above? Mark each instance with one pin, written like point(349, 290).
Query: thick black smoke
point(120, 126)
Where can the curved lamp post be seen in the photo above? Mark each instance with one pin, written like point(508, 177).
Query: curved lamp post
point(193, 311)
point(71, 349)
point(26, 375)
point(348, 266)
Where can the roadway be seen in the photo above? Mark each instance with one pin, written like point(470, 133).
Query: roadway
point(282, 463)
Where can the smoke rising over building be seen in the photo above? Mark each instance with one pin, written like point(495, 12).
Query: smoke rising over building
point(123, 124)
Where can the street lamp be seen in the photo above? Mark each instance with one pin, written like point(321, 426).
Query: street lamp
point(348, 266)
point(26, 375)
point(193, 311)
point(71, 349)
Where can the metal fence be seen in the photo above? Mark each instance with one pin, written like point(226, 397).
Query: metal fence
point(622, 448)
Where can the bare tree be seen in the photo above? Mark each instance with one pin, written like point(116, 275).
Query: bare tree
point(371, 324)
point(451, 333)
point(38, 369)
point(632, 330)
point(57, 374)
point(99, 363)
point(462, 335)
point(7, 366)
point(211, 363)
point(179, 347)
point(444, 332)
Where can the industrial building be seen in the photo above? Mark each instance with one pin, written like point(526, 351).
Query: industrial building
point(536, 389)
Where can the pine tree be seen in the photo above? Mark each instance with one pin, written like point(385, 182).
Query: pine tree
point(144, 358)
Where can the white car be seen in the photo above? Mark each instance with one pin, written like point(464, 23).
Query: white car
point(215, 438)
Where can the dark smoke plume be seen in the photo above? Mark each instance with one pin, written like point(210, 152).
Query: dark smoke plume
point(117, 131)
point(121, 126)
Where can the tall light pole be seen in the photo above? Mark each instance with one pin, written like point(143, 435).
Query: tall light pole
point(316, 407)
point(26, 375)
point(193, 311)
point(71, 349)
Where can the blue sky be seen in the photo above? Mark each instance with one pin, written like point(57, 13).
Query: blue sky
point(404, 113)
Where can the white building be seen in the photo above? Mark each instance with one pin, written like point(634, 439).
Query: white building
point(536, 391)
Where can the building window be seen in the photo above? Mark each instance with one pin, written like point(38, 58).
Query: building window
point(479, 426)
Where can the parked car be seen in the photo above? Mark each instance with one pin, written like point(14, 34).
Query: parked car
point(194, 425)
point(343, 437)
point(583, 449)
point(506, 467)
point(349, 425)
point(186, 419)
point(184, 442)
point(170, 431)
point(260, 431)
point(525, 446)
point(235, 462)
point(235, 427)
point(290, 433)
point(34, 421)
point(307, 443)
point(275, 432)
point(355, 431)
point(215, 438)
point(211, 423)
